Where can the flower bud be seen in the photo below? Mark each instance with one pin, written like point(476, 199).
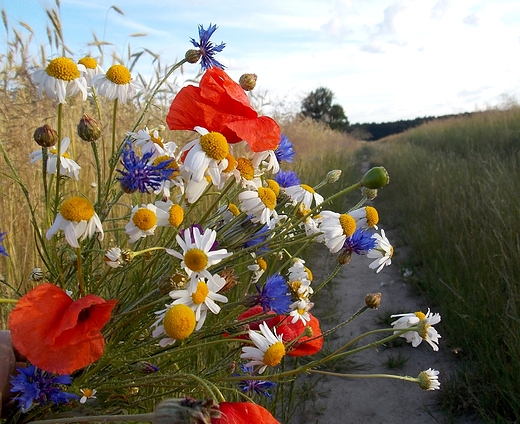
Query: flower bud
point(333, 176)
point(168, 282)
point(192, 55)
point(369, 193)
point(344, 257)
point(45, 136)
point(248, 81)
point(376, 177)
point(36, 275)
point(308, 332)
point(373, 300)
point(186, 410)
point(89, 129)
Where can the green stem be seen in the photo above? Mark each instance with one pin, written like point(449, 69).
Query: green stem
point(330, 277)
point(2, 300)
point(58, 161)
point(114, 120)
point(80, 272)
point(336, 374)
point(99, 418)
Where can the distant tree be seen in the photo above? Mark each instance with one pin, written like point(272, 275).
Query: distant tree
point(319, 107)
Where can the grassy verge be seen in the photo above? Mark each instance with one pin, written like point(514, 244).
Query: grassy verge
point(454, 200)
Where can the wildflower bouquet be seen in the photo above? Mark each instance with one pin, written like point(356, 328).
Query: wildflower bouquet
point(173, 289)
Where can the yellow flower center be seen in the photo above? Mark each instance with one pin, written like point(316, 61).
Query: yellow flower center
point(54, 151)
point(201, 293)
point(420, 315)
point(232, 163)
point(196, 259)
point(295, 285)
point(246, 169)
point(308, 188)
point(176, 215)
point(157, 140)
point(214, 145)
point(267, 196)
point(77, 209)
point(274, 354)
point(179, 322)
point(62, 68)
point(172, 165)
point(273, 185)
point(301, 311)
point(87, 392)
point(88, 62)
point(233, 209)
point(348, 224)
point(309, 273)
point(118, 74)
point(144, 219)
point(372, 216)
point(261, 264)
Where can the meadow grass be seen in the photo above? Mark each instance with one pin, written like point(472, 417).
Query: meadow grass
point(453, 200)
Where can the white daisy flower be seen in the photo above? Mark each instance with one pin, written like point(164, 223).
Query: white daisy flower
point(61, 78)
point(78, 219)
point(258, 268)
point(87, 394)
point(67, 166)
point(143, 222)
point(197, 256)
point(92, 68)
point(300, 311)
point(268, 351)
point(176, 322)
point(429, 379)
point(304, 194)
point(194, 189)
point(259, 203)
point(175, 179)
point(151, 141)
point(298, 270)
point(336, 228)
point(383, 252)
point(117, 83)
point(169, 214)
point(366, 217)
point(202, 299)
point(206, 155)
point(265, 161)
point(425, 332)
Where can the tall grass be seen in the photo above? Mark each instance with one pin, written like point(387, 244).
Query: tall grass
point(454, 200)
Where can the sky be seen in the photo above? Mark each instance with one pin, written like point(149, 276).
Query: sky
point(384, 60)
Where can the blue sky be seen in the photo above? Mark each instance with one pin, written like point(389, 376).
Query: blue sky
point(384, 59)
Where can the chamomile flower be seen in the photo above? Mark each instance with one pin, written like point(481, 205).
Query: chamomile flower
point(300, 311)
point(87, 394)
point(203, 298)
point(176, 322)
point(206, 155)
point(382, 252)
point(61, 78)
point(151, 141)
point(259, 203)
point(116, 257)
point(92, 68)
point(198, 255)
point(169, 214)
point(78, 219)
point(258, 268)
point(366, 217)
point(425, 331)
point(269, 349)
point(298, 270)
point(304, 194)
point(143, 222)
point(174, 180)
point(266, 161)
point(336, 228)
point(117, 83)
point(67, 166)
point(429, 379)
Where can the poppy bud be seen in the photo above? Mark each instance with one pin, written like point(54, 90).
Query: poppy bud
point(248, 81)
point(45, 136)
point(89, 129)
point(376, 177)
point(192, 55)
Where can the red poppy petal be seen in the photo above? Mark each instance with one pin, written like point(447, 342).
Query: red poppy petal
point(261, 133)
point(243, 413)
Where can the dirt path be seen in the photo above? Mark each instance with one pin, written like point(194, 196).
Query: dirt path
point(337, 400)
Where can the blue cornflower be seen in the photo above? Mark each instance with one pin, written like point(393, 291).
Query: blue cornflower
point(250, 387)
point(274, 296)
point(140, 174)
point(284, 151)
point(360, 242)
point(259, 237)
point(2, 248)
point(287, 179)
point(207, 48)
point(35, 385)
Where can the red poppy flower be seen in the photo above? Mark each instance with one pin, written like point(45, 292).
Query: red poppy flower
point(56, 333)
point(305, 345)
point(219, 104)
point(243, 413)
